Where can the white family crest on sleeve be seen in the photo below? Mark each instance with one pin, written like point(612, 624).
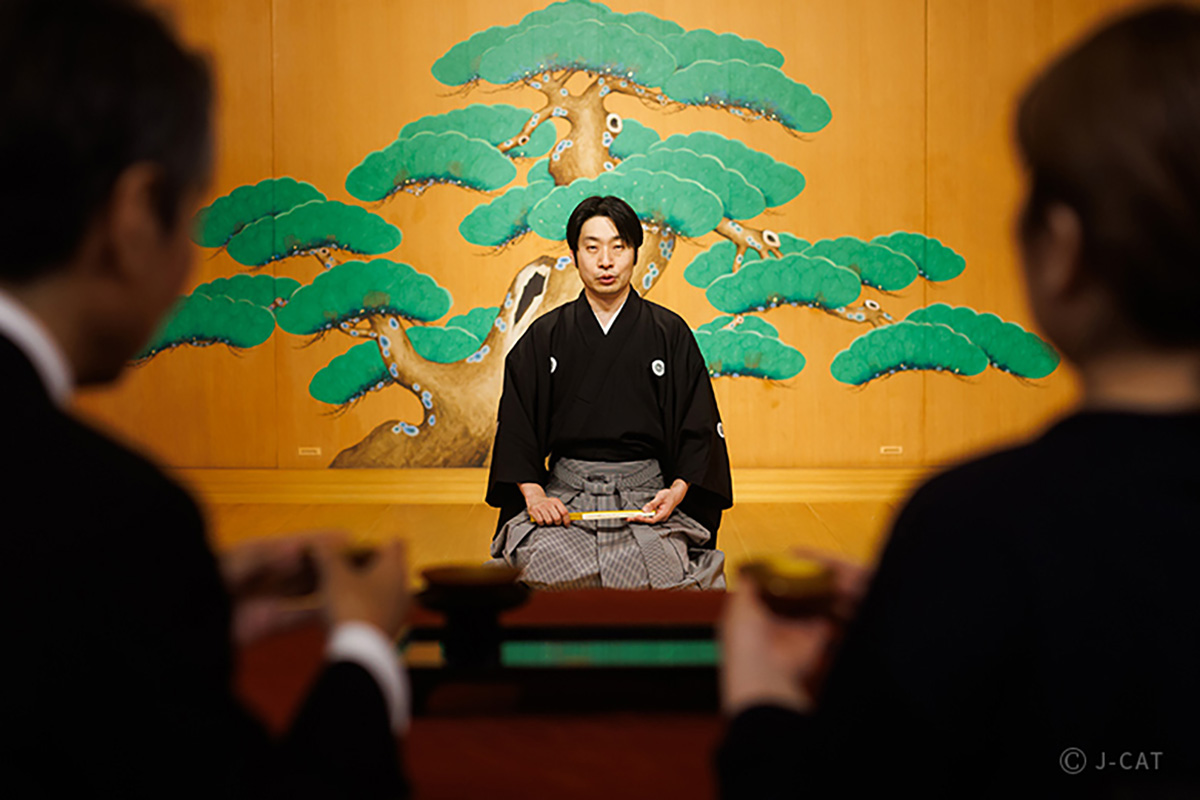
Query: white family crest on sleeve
point(658, 367)
point(553, 364)
point(720, 430)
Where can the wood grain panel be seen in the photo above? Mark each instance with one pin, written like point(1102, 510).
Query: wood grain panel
point(461, 533)
point(921, 94)
point(981, 54)
point(466, 486)
point(857, 528)
point(208, 407)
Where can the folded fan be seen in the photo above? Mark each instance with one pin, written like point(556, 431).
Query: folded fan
point(616, 513)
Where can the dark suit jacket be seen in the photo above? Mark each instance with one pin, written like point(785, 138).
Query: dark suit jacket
point(117, 637)
point(1032, 631)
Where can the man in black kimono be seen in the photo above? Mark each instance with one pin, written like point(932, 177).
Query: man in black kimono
point(612, 390)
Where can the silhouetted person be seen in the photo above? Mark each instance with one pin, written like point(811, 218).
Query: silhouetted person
point(116, 616)
point(1033, 628)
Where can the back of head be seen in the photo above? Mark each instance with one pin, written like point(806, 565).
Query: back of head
point(1112, 130)
point(89, 88)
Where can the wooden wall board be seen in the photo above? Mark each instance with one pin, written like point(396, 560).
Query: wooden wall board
point(461, 533)
point(981, 55)
point(921, 93)
point(465, 486)
point(211, 408)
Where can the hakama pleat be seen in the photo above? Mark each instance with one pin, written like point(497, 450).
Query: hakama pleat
point(610, 553)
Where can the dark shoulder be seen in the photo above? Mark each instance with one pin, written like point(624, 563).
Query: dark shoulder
point(108, 483)
point(674, 327)
point(664, 316)
point(538, 331)
point(999, 491)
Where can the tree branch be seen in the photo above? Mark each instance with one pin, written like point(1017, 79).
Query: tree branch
point(402, 361)
point(535, 119)
point(746, 238)
point(868, 312)
point(626, 86)
point(356, 329)
point(550, 88)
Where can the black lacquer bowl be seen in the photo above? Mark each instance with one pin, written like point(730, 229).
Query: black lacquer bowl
point(471, 598)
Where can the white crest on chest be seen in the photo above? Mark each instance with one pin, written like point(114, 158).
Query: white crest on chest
point(720, 430)
point(658, 367)
point(553, 364)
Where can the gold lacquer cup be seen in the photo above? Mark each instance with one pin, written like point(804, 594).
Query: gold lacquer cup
point(792, 586)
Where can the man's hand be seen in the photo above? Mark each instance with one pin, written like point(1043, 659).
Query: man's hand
point(376, 593)
point(542, 509)
point(770, 659)
point(665, 502)
point(257, 576)
point(767, 660)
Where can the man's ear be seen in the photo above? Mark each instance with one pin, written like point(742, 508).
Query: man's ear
point(134, 227)
point(1058, 253)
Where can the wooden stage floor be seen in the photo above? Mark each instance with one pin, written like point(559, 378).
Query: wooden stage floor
point(460, 533)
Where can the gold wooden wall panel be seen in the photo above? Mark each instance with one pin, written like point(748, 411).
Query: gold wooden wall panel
point(921, 94)
point(981, 55)
point(206, 407)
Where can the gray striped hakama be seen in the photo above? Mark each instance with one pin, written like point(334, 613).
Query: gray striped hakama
point(609, 553)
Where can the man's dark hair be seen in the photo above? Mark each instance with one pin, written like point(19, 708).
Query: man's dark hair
point(88, 88)
point(623, 216)
point(1112, 130)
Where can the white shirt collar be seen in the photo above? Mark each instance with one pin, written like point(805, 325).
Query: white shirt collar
point(607, 327)
point(29, 334)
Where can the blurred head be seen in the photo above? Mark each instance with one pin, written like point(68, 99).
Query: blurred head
point(105, 148)
point(604, 235)
point(1110, 230)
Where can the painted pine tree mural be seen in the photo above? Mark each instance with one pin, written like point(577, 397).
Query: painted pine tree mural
point(701, 186)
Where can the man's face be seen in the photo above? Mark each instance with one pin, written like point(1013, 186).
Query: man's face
point(604, 260)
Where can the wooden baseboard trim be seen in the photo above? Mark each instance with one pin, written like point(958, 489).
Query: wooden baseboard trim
point(457, 486)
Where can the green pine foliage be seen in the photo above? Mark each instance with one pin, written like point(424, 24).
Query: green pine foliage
point(199, 320)
point(748, 353)
point(907, 346)
point(428, 158)
point(758, 88)
point(777, 181)
point(683, 205)
point(311, 226)
point(880, 267)
point(935, 261)
point(350, 376)
point(634, 139)
point(739, 198)
point(261, 290)
point(715, 262)
point(361, 289)
point(217, 223)
point(796, 279)
point(1008, 346)
point(704, 45)
point(749, 323)
point(609, 49)
point(496, 124)
point(505, 218)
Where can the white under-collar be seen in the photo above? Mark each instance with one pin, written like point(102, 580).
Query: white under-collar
point(607, 327)
point(29, 334)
